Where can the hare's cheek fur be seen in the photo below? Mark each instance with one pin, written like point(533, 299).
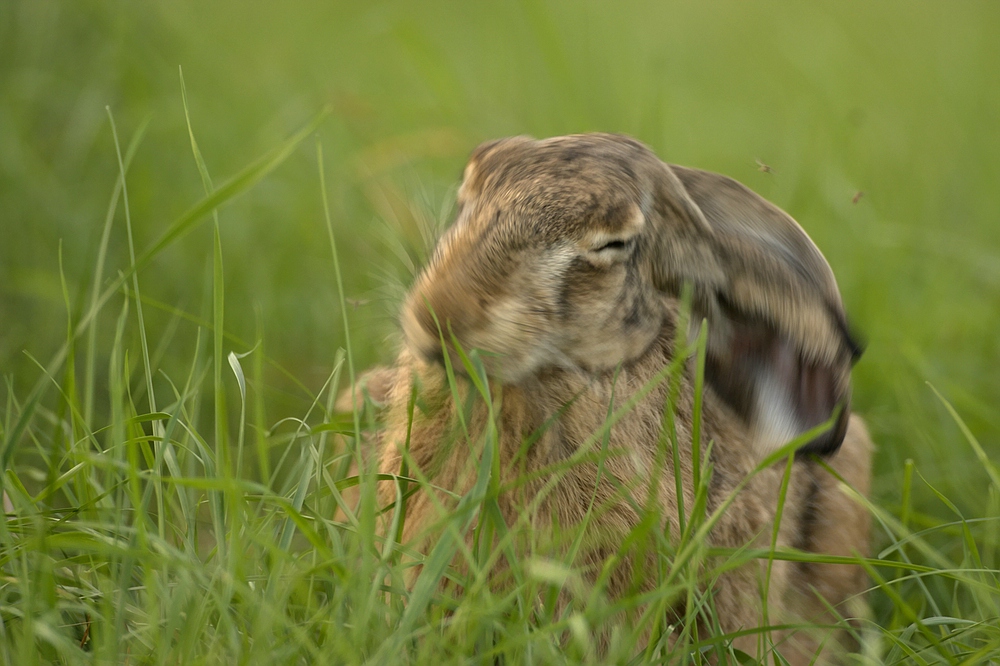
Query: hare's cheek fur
point(610, 316)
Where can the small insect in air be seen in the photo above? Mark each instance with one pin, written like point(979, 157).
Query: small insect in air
point(857, 197)
point(764, 168)
point(357, 302)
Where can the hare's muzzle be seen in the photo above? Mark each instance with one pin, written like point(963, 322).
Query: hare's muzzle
point(434, 319)
point(443, 317)
point(423, 331)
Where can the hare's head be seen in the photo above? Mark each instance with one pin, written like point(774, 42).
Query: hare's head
point(565, 252)
point(548, 262)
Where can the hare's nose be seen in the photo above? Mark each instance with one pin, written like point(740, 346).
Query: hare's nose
point(421, 333)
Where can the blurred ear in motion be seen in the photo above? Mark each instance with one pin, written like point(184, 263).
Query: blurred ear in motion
point(779, 348)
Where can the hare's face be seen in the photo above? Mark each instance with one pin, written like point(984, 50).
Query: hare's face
point(546, 265)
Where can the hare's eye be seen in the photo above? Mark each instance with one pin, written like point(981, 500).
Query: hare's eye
point(609, 252)
point(612, 250)
point(612, 245)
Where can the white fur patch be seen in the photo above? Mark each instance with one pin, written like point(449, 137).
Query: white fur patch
point(776, 421)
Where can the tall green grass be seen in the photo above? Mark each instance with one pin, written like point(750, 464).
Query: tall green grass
point(150, 534)
point(174, 498)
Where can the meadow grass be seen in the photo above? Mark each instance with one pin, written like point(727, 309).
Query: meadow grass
point(155, 535)
point(178, 486)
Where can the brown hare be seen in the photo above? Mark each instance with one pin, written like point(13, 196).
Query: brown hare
point(565, 269)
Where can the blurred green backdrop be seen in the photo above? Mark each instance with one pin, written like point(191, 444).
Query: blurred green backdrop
point(898, 100)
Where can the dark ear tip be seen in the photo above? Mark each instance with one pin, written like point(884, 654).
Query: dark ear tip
point(854, 341)
point(824, 445)
point(829, 442)
point(856, 344)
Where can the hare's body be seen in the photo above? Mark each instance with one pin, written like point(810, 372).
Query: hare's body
point(819, 516)
point(565, 267)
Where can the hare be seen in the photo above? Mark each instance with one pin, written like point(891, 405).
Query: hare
point(565, 269)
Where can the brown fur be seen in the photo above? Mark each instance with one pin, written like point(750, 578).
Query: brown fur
point(564, 268)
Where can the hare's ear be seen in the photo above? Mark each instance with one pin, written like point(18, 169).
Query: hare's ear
point(779, 349)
